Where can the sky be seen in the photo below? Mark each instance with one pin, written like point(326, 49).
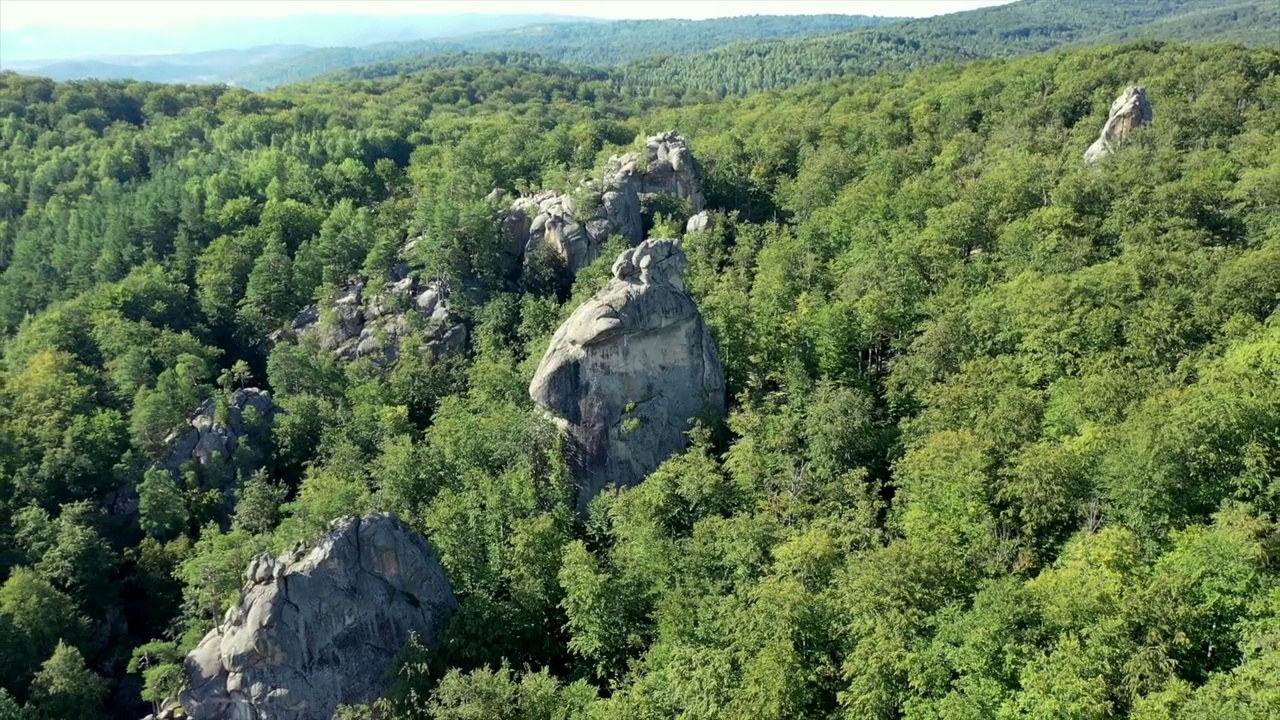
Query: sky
point(16, 14)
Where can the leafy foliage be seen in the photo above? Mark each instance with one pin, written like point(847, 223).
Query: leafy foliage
point(1004, 430)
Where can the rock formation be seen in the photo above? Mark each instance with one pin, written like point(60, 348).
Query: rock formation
point(219, 444)
point(626, 373)
point(209, 439)
point(672, 170)
point(1129, 112)
point(702, 222)
point(317, 627)
point(376, 325)
point(577, 225)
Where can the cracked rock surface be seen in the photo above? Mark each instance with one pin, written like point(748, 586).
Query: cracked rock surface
point(317, 626)
point(628, 371)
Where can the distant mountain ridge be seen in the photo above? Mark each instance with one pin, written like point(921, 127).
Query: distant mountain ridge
point(561, 38)
point(722, 56)
point(1023, 27)
point(1251, 23)
point(212, 66)
point(607, 43)
point(33, 43)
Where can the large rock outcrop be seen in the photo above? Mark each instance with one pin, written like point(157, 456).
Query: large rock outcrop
point(626, 373)
point(358, 323)
point(317, 627)
point(672, 170)
point(1129, 112)
point(576, 226)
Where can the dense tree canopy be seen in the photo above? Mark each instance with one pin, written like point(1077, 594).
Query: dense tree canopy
point(1004, 434)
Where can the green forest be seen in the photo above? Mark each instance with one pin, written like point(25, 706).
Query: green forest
point(1000, 31)
point(594, 43)
point(1003, 437)
point(736, 56)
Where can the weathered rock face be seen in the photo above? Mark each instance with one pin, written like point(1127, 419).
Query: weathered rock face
point(316, 627)
point(672, 170)
point(376, 325)
point(577, 226)
point(548, 219)
point(626, 373)
point(1129, 112)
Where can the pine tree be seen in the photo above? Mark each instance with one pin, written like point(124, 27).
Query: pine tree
point(269, 295)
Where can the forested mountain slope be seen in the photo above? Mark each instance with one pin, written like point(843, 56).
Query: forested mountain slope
point(557, 38)
point(1253, 23)
point(1021, 27)
point(1004, 430)
point(596, 43)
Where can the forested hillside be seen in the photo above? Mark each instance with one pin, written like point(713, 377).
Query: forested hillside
point(1255, 23)
point(1003, 437)
point(1022, 27)
point(594, 43)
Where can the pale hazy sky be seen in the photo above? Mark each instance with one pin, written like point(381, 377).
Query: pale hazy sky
point(16, 14)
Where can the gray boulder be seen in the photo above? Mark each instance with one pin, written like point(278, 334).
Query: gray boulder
point(1129, 112)
point(702, 222)
point(672, 170)
point(553, 223)
point(210, 440)
point(318, 626)
point(577, 226)
point(628, 371)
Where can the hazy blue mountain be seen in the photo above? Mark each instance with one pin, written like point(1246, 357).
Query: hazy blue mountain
point(65, 43)
point(203, 67)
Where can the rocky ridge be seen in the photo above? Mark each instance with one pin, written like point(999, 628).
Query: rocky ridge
point(576, 225)
point(361, 323)
point(208, 439)
point(220, 444)
point(317, 626)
